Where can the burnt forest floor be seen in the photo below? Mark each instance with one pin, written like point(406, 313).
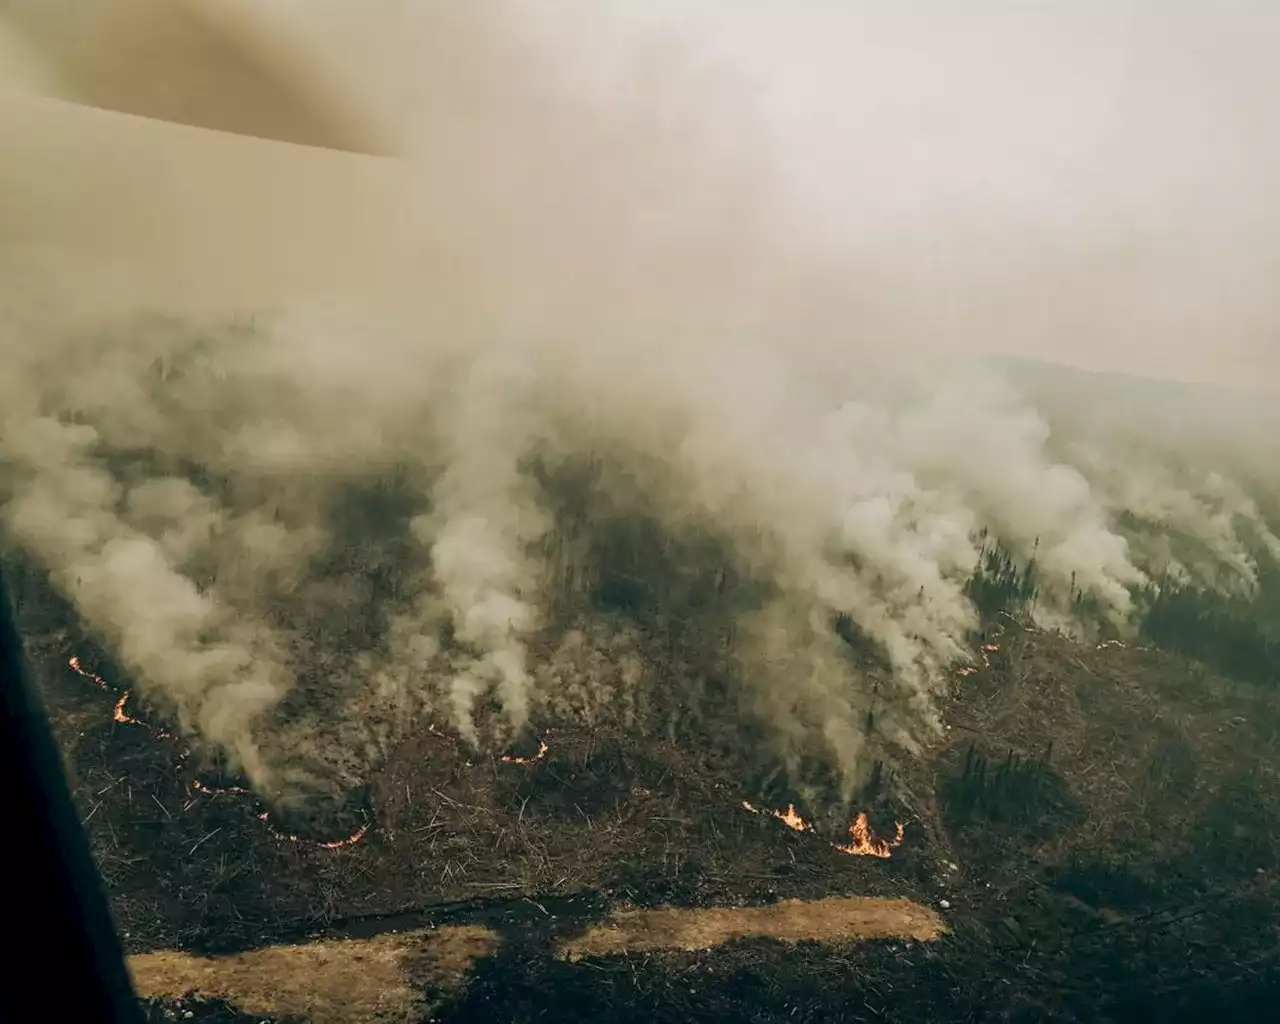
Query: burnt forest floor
point(1099, 833)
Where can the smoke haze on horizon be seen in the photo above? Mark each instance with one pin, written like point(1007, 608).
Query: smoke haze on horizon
point(1089, 186)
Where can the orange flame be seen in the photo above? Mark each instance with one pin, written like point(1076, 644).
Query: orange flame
point(118, 713)
point(790, 817)
point(864, 844)
point(124, 718)
point(335, 844)
point(984, 653)
point(121, 715)
point(542, 752)
point(200, 787)
point(351, 840)
point(78, 668)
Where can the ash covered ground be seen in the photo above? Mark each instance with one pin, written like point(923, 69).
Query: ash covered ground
point(1098, 832)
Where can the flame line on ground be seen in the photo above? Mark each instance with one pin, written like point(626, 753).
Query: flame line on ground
point(121, 715)
point(862, 842)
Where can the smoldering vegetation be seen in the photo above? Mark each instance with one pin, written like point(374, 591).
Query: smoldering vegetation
point(302, 571)
point(615, 445)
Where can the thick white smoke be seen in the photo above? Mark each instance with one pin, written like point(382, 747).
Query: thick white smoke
point(612, 440)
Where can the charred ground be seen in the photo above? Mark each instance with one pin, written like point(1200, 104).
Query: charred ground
point(1101, 824)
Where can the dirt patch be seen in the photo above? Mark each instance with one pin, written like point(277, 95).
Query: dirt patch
point(451, 951)
point(829, 920)
point(326, 982)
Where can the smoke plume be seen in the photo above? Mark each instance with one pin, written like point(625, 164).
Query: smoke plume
point(610, 437)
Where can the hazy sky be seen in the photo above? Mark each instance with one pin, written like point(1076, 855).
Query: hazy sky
point(1091, 181)
point(1092, 144)
point(1036, 107)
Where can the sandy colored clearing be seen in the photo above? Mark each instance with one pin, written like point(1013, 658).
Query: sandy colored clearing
point(390, 977)
point(829, 920)
point(328, 982)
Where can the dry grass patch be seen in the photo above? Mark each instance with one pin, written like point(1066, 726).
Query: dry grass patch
point(343, 981)
point(828, 920)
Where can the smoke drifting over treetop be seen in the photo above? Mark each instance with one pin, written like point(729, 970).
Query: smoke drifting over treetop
point(607, 436)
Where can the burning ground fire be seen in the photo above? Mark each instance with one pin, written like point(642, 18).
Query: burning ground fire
point(861, 840)
point(542, 752)
point(862, 843)
point(118, 713)
point(1108, 645)
point(121, 715)
point(335, 844)
point(984, 652)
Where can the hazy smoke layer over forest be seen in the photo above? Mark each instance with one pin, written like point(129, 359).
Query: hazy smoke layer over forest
point(615, 445)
